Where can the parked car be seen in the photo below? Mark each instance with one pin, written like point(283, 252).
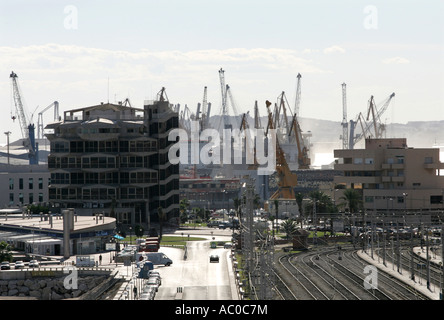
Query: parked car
point(19, 264)
point(228, 245)
point(5, 265)
point(34, 264)
point(152, 281)
point(214, 258)
point(156, 276)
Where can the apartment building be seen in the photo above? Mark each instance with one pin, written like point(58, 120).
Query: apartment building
point(392, 176)
point(113, 159)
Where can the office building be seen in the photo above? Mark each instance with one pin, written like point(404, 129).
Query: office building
point(113, 159)
point(392, 176)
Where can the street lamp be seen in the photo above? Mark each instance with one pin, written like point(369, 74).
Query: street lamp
point(7, 142)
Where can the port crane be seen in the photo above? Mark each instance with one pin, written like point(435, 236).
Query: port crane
point(375, 123)
point(344, 122)
point(28, 130)
point(55, 104)
point(287, 180)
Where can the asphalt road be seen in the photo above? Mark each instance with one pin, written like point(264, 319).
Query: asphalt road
point(198, 278)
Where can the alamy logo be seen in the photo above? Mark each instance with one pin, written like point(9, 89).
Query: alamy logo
point(261, 150)
point(371, 281)
point(71, 280)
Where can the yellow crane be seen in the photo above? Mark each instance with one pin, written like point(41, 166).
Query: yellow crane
point(287, 180)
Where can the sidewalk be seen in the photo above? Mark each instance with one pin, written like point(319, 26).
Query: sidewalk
point(420, 282)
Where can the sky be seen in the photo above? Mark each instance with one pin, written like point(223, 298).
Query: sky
point(81, 53)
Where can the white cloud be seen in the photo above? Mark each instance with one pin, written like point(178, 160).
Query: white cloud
point(396, 60)
point(334, 49)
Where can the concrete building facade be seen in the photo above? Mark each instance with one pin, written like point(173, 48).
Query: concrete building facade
point(21, 185)
point(393, 176)
point(113, 159)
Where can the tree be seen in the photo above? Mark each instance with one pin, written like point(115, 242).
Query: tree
point(289, 226)
point(276, 208)
point(184, 204)
point(353, 199)
point(138, 231)
point(299, 198)
point(5, 252)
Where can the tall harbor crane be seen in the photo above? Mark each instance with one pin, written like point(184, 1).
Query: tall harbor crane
point(298, 95)
point(287, 180)
point(28, 130)
point(375, 122)
point(344, 123)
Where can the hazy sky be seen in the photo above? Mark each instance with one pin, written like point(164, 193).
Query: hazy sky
point(67, 51)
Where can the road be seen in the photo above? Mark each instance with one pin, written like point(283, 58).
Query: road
point(198, 278)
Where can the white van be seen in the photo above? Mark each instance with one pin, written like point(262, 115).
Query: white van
point(158, 258)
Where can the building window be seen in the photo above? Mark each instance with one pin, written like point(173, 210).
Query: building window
point(40, 197)
point(368, 160)
point(11, 198)
point(436, 199)
point(31, 198)
point(21, 183)
point(21, 198)
point(31, 184)
point(358, 160)
point(40, 183)
point(428, 160)
point(11, 183)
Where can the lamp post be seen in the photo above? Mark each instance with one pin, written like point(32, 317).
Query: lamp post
point(7, 142)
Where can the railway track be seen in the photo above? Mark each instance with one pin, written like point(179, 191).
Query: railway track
point(329, 274)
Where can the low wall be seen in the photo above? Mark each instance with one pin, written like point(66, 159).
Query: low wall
point(52, 284)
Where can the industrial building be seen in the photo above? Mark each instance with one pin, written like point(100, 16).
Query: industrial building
point(393, 176)
point(113, 159)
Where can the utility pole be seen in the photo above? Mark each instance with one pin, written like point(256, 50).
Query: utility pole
point(442, 263)
point(428, 261)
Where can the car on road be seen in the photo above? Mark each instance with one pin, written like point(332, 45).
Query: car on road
point(34, 264)
point(228, 245)
point(5, 265)
point(19, 264)
point(214, 258)
point(222, 226)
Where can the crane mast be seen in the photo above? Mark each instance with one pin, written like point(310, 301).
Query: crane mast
point(344, 117)
point(204, 111)
point(298, 95)
point(19, 106)
point(287, 180)
point(28, 130)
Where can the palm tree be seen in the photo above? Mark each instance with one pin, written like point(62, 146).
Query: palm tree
point(290, 227)
point(5, 251)
point(299, 198)
point(237, 207)
point(183, 207)
point(352, 198)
